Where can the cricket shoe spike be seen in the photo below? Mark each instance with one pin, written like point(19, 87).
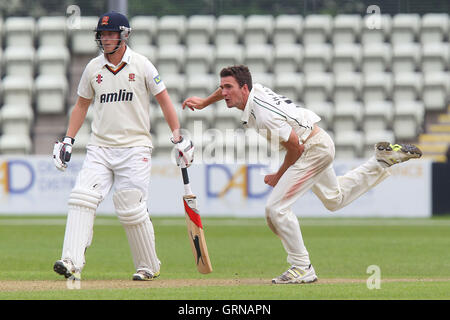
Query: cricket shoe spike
point(145, 275)
point(296, 275)
point(67, 269)
point(388, 154)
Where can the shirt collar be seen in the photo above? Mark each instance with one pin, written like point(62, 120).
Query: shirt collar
point(126, 58)
point(248, 108)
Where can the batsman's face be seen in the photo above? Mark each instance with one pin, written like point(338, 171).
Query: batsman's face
point(234, 95)
point(109, 39)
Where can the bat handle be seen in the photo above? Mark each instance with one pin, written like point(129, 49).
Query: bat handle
point(187, 186)
point(184, 172)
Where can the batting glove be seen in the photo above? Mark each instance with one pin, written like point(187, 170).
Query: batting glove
point(184, 152)
point(62, 151)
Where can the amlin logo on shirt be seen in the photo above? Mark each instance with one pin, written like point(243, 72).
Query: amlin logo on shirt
point(122, 95)
point(157, 79)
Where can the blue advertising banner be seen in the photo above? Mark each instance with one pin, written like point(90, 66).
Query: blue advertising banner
point(32, 185)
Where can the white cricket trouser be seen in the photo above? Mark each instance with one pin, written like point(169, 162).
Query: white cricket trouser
point(126, 168)
point(314, 170)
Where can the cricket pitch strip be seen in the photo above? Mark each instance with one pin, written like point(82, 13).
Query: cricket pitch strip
point(50, 285)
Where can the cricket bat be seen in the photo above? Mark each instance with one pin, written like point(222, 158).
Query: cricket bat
point(195, 227)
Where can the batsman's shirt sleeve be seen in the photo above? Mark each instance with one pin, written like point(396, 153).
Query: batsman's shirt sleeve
point(153, 79)
point(85, 89)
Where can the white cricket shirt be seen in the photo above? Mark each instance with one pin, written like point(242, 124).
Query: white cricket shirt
point(121, 99)
point(274, 116)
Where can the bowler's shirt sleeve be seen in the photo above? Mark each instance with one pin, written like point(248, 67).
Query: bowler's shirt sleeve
point(153, 79)
point(273, 121)
point(85, 89)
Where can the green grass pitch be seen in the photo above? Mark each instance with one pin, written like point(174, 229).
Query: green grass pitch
point(413, 257)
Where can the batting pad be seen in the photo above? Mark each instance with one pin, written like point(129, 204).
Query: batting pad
point(132, 213)
point(80, 224)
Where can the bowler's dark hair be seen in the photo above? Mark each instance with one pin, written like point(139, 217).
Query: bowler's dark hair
point(240, 73)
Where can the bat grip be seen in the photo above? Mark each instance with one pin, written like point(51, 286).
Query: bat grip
point(185, 175)
point(187, 187)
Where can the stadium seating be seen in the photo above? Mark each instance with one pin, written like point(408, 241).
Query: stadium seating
point(82, 38)
point(346, 58)
point(51, 94)
point(405, 28)
point(258, 29)
point(318, 87)
point(149, 51)
point(377, 116)
point(201, 85)
point(176, 86)
point(290, 85)
point(258, 57)
point(200, 30)
point(20, 31)
point(229, 29)
point(349, 144)
point(376, 29)
point(163, 145)
point(287, 29)
point(227, 55)
point(435, 57)
point(405, 57)
point(17, 90)
point(15, 144)
point(171, 30)
point(377, 87)
point(347, 87)
point(52, 60)
point(226, 118)
point(144, 30)
point(407, 86)
point(389, 69)
point(19, 61)
point(84, 133)
point(435, 92)
point(376, 57)
point(346, 29)
point(287, 58)
point(434, 27)
point(408, 119)
point(317, 57)
point(171, 59)
point(264, 78)
point(317, 29)
point(347, 116)
point(16, 119)
point(52, 31)
point(199, 59)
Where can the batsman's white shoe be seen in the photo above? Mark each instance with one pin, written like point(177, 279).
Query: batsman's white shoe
point(297, 275)
point(388, 154)
point(145, 275)
point(67, 269)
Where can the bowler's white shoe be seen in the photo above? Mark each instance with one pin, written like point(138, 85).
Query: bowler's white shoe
point(297, 275)
point(67, 269)
point(388, 154)
point(145, 275)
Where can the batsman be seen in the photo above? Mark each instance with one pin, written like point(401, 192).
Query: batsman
point(308, 161)
point(117, 84)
